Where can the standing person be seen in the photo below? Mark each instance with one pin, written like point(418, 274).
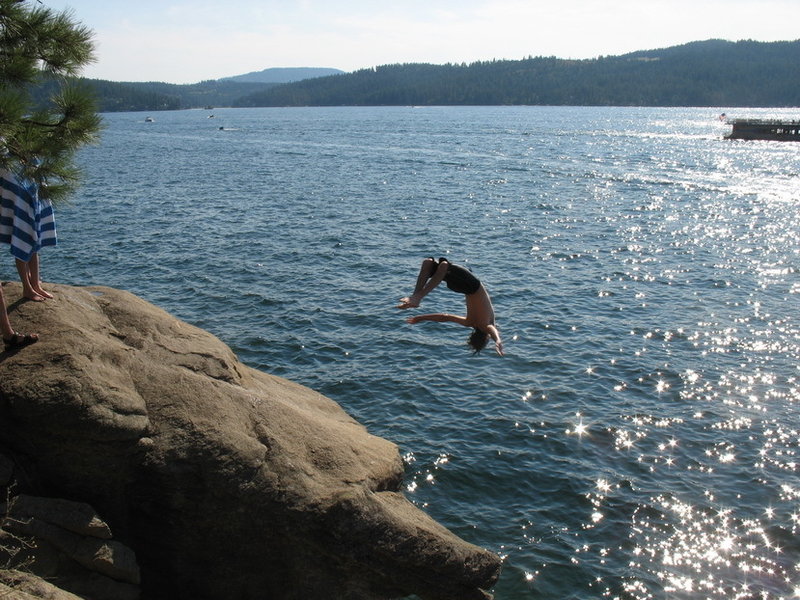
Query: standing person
point(480, 313)
point(28, 224)
point(11, 339)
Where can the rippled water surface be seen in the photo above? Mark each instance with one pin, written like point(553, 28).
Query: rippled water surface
point(639, 440)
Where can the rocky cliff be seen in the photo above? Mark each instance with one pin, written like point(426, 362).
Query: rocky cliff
point(223, 481)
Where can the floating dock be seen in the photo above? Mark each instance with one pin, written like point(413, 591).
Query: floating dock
point(764, 129)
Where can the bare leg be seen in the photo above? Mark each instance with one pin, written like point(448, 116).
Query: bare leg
point(34, 275)
point(426, 270)
point(25, 277)
point(429, 277)
point(11, 339)
point(5, 324)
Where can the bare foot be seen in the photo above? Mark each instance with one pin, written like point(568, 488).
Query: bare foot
point(410, 302)
point(43, 293)
point(34, 297)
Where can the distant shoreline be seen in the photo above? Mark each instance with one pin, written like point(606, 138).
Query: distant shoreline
point(712, 73)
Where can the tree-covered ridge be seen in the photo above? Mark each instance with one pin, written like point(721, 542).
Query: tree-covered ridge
point(197, 95)
point(710, 73)
point(115, 96)
point(283, 74)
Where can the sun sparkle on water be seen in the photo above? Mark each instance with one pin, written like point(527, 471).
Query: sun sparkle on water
point(639, 440)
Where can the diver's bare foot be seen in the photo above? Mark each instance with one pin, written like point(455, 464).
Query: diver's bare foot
point(410, 302)
point(34, 297)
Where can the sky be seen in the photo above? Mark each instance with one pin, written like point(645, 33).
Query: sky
point(187, 41)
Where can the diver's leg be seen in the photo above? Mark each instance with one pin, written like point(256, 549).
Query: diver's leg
point(430, 275)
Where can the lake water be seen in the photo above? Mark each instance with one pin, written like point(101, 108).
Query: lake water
point(640, 438)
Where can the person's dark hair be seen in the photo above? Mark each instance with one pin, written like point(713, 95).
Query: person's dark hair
point(477, 340)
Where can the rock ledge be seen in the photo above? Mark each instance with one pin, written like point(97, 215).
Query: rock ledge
point(226, 482)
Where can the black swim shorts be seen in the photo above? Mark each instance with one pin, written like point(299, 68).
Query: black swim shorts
point(460, 279)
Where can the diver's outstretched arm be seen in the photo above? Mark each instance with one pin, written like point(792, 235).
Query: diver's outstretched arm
point(439, 318)
point(495, 335)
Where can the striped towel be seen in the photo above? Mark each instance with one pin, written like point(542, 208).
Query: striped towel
point(27, 223)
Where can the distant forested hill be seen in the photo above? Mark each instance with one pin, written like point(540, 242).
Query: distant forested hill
point(283, 75)
point(128, 96)
point(710, 73)
point(112, 96)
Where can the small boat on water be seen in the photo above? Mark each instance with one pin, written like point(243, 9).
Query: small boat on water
point(149, 119)
point(777, 130)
